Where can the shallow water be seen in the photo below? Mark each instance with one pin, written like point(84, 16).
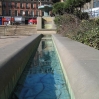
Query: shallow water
point(44, 79)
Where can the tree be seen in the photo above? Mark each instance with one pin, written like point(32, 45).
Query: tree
point(58, 8)
point(54, 1)
point(71, 7)
point(76, 3)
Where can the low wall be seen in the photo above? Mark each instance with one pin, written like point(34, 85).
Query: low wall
point(45, 23)
point(13, 59)
point(80, 64)
point(8, 30)
point(46, 31)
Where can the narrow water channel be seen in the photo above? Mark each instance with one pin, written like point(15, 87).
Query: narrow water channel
point(44, 79)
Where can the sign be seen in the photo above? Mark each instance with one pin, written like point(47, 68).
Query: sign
point(8, 19)
point(19, 19)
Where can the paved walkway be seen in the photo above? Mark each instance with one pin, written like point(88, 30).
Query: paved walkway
point(7, 40)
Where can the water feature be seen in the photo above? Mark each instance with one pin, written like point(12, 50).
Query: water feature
point(45, 9)
point(43, 78)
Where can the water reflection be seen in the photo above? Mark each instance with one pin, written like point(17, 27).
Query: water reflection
point(44, 79)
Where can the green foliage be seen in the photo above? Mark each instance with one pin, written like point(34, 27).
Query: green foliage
point(84, 31)
point(90, 37)
point(70, 6)
point(81, 15)
point(97, 21)
point(69, 3)
point(76, 3)
point(89, 34)
point(88, 1)
point(66, 22)
point(58, 8)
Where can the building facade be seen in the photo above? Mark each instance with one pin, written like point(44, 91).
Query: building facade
point(92, 4)
point(92, 8)
point(0, 8)
point(26, 8)
point(88, 5)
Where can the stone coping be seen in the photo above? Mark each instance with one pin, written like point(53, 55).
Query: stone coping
point(81, 67)
point(46, 29)
point(13, 59)
point(14, 48)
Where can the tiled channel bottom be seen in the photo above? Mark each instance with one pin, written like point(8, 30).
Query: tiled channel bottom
point(44, 78)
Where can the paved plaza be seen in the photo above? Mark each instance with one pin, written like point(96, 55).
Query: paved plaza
point(7, 40)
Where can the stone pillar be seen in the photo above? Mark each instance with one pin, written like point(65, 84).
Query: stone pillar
point(39, 22)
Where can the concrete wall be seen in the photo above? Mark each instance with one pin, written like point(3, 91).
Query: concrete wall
point(80, 64)
point(19, 30)
point(39, 22)
point(13, 59)
point(46, 31)
point(46, 23)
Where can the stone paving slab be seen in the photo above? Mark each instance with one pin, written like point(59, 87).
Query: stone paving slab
point(7, 40)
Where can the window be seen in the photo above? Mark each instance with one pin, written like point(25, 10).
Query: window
point(9, 12)
point(31, 5)
point(21, 12)
point(36, 5)
point(4, 4)
point(26, 13)
point(4, 12)
point(15, 5)
point(27, 5)
point(32, 13)
point(9, 4)
point(38, 13)
point(96, 4)
point(42, 13)
point(21, 5)
point(16, 13)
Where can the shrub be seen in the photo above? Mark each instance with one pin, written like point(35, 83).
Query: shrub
point(81, 15)
point(67, 22)
point(97, 21)
point(84, 31)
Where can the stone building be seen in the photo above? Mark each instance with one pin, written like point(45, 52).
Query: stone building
point(92, 4)
point(92, 8)
point(0, 8)
point(26, 8)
